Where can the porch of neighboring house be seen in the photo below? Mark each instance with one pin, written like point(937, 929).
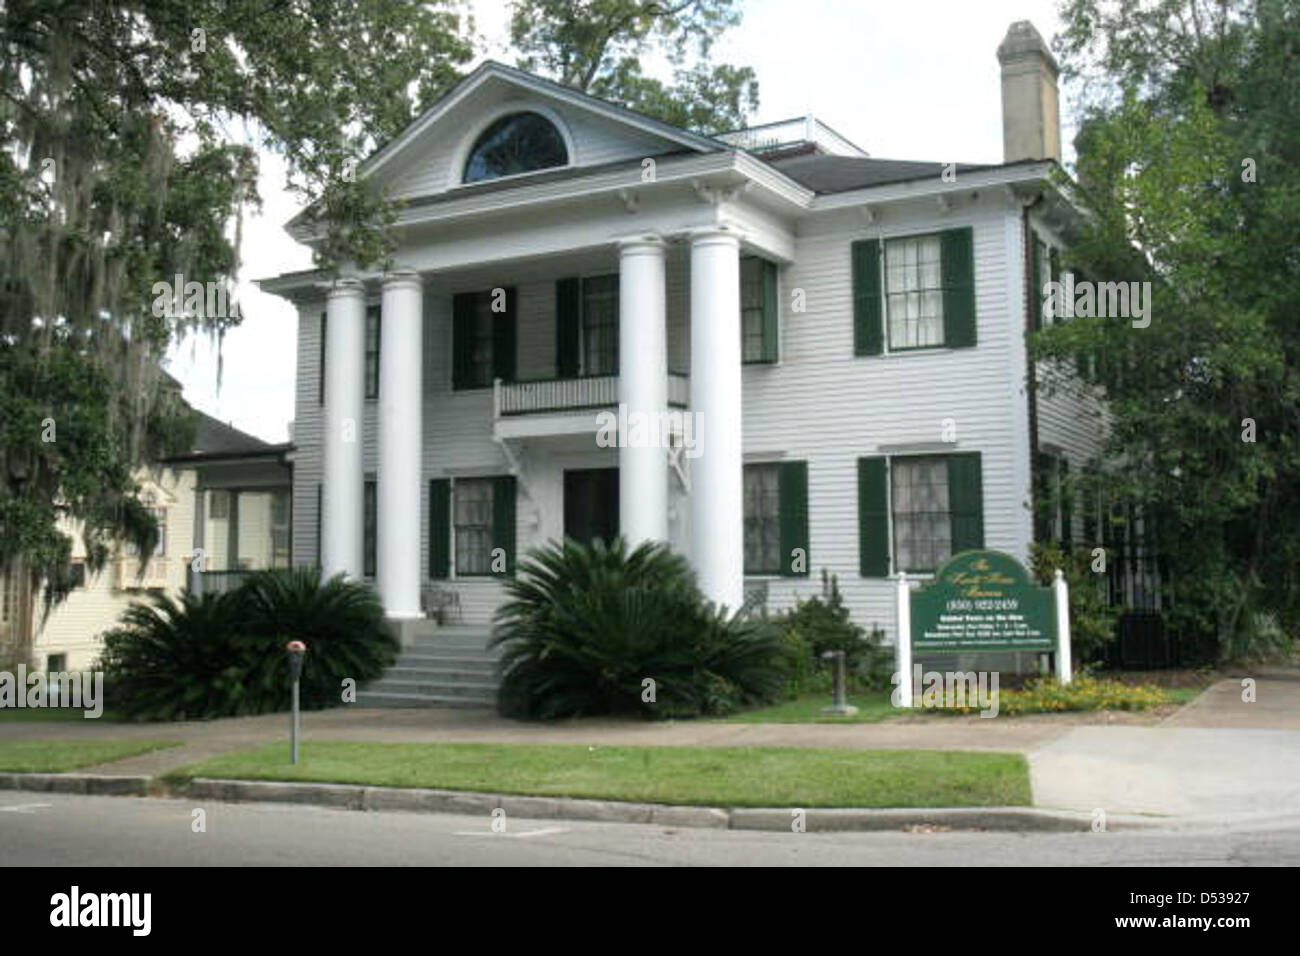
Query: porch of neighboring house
point(242, 507)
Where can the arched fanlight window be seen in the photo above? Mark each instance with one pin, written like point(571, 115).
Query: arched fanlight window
point(516, 143)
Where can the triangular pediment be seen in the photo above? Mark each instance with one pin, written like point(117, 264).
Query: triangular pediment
point(428, 158)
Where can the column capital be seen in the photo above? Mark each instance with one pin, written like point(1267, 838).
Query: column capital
point(719, 234)
point(401, 276)
point(640, 242)
point(346, 288)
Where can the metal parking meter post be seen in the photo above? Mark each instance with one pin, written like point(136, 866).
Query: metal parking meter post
point(296, 651)
point(839, 695)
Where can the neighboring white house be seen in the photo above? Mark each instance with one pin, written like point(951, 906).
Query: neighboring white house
point(231, 491)
point(847, 335)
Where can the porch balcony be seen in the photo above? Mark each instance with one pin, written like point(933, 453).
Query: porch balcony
point(571, 394)
point(157, 574)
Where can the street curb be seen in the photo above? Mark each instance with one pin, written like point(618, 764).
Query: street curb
point(82, 783)
point(419, 800)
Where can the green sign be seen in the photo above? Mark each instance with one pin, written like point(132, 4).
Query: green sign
point(983, 601)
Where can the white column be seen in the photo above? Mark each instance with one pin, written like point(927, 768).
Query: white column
point(401, 353)
point(717, 509)
point(341, 493)
point(643, 390)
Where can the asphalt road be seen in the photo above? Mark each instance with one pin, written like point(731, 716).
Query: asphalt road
point(39, 829)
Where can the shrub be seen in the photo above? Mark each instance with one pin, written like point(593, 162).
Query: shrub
point(585, 625)
point(222, 655)
point(176, 659)
point(820, 624)
point(340, 621)
point(1092, 619)
point(1048, 695)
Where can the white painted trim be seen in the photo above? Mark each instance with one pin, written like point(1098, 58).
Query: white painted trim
point(917, 188)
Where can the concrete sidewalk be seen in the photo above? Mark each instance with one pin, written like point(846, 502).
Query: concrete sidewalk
point(1219, 757)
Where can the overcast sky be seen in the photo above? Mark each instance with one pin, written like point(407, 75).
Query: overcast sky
point(912, 80)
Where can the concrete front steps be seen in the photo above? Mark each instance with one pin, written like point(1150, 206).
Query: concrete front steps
point(448, 666)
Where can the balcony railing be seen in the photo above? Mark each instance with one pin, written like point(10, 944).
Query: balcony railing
point(572, 394)
point(214, 582)
point(127, 574)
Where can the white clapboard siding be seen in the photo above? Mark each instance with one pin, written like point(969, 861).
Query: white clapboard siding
point(824, 405)
point(76, 627)
point(821, 403)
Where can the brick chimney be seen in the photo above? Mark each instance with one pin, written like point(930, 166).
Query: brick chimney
point(1031, 118)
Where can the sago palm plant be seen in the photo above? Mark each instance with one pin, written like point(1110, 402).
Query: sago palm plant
point(341, 622)
point(586, 626)
point(171, 659)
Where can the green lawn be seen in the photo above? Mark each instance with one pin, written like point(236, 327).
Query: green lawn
point(714, 776)
point(807, 709)
point(57, 715)
point(56, 756)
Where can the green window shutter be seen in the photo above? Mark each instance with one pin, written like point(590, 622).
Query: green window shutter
point(793, 494)
point(503, 518)
point(1089, 502)
point(370, 528)
point(319, 512)
point(868, 318)
point(771, 311)
point(440, 528)
point(568, 320)
point(504, 336)
point(1036, 279)
point(1044, 466)
point(873, 518)
point(462, 339)
point(966, 501)
point(957, 267)
point(324, 328)
point(1067, 507)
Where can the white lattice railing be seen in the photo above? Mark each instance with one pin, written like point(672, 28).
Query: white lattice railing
point(565, 394)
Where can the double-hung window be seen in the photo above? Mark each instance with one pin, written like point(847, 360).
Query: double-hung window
point(776, 518)
point(483, 338)
point(758, 310)
point(600, 325)
point(917, 511)
point(922, 513)
point(478, 515)
point(762, 519)
point(914, 292)
point(474, 526)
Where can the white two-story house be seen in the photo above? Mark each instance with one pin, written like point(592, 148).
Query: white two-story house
point(843, 337)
